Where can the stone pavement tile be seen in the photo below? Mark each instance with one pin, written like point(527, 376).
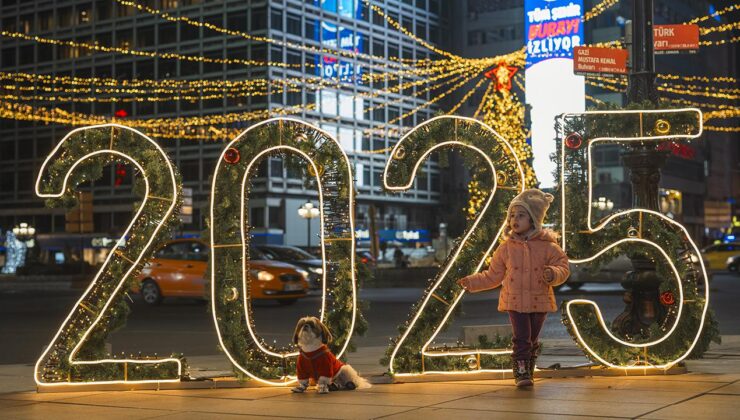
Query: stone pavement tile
point(433, 413)
point(552, 391)
point(710, 406)
point(455, 389)
point(45, 396)
point(320, 408)
point(11, 403)
point(366, 397)
point(733, 388)
point(195, 415)
point(16, 370)
point(720, 365)
point(14, 378)
point(634, 383)
point(62, 411)
point(534, 405)
point(223, 393)
point(695, 377)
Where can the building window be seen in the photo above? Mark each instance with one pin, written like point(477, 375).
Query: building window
point(378, 20)
point(434, 182)
point(167, 33)
point(257, 217)
point(378, 48)
point(190, 170)
point(237, 21)
point(294, 58)
point(102, 11)
point(276, 17)
point(26, 24)
point(294, 98)
point(65, 17)
point(275, 217)
point(8, 57)
point(84, 13)
point(293, 25)
point(7, 150)
point(7, 182)
point(46, 21)
point(310, 29)
point(259, 19)
point(276, 168)
point(377, 180)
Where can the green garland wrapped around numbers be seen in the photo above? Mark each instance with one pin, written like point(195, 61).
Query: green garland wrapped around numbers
point(408, 357)
point(657, 230)
point(55, 366)
point(229, 288)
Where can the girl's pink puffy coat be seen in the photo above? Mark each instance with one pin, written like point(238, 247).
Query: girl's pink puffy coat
point(517, 266)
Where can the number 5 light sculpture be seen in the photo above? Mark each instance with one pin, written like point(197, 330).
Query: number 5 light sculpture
point(580, 135)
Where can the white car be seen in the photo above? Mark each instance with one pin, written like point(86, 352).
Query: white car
point(613, 272)
point(416, 257)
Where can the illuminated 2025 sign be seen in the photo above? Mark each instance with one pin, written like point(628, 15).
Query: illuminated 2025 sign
point(65, 361)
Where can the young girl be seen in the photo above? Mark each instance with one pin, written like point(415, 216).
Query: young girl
point(526, 266)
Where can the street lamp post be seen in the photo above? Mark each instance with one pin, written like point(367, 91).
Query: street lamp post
point(603, 204)
point(24, 233)
point(308, 212)
point(645, 164)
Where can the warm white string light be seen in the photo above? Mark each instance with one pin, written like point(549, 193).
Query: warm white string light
point(594, 229)
point(64, 188)
point(497, 139)
point(287, 380)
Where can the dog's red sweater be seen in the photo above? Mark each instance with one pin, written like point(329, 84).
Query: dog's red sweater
point(320, 362)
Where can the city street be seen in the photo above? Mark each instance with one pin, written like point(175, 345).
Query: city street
point(29, 319)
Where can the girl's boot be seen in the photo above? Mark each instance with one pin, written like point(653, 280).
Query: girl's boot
point(521, 373)
point(535, 352)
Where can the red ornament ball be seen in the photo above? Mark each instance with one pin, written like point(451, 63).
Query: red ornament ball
point(667, 298)
point(232, 156)
point(573, 141)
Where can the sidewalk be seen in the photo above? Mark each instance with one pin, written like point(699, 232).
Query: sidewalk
point(710, 390)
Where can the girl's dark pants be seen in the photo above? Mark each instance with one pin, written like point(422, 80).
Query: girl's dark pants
point(526, 327)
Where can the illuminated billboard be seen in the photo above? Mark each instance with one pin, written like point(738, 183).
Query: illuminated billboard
point(333, 102)
point(552, 28)
point(333, 36)
point(339, 37)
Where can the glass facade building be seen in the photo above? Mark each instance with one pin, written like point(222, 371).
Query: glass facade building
point(351, 113)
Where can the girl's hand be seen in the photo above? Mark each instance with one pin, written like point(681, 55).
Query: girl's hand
point(548, 275)
point(463, 282)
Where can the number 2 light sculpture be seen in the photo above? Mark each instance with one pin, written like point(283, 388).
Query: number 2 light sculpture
point(67, 360)
point(411, 353)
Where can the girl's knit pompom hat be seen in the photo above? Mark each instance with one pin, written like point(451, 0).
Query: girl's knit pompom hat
point(536, 203)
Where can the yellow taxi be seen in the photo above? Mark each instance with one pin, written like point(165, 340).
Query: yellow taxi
point(716, 256)
point(178, 269)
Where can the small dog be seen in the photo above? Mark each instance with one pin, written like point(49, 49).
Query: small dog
point(316, 362)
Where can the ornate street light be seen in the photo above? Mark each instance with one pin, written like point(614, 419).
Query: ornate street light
point(603, 204)
point(25, 233)
point(308, 212)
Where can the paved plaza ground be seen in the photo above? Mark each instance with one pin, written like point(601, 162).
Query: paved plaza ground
point(711, 390)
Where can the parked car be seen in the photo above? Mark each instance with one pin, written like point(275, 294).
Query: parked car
point(613, 272)
point(178, 269)
point(733, 264)
point(364, 256)
point(421, 257)
point(415, 257)
point(297, 257)
point(715, 256)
